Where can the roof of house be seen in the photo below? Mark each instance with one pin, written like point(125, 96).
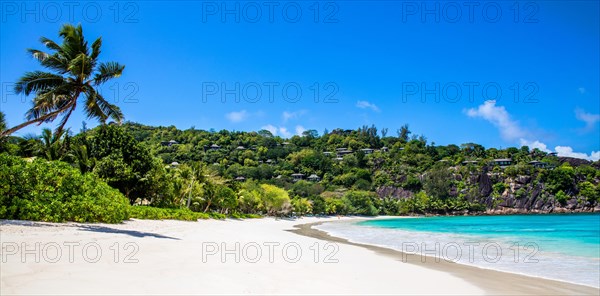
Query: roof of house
point(298, 175)
point(313, 176)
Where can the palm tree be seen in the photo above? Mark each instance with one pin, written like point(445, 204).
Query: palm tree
point(76, 72)
point(83, 158)
point(54, 145)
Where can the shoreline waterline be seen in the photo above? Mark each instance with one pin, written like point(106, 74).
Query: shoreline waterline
point(492, 281)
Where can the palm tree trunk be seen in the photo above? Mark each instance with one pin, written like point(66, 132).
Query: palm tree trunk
point(65, 119)
point(39, 120)
point(207, 206)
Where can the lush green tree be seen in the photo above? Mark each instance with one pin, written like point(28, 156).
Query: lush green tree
point(250, 198)
point(438, 183)
point(362, 203)
point(561, 179)
point(275, 200)
point(302, 206)
point(123, 162)
point(77, 72)
point(404, 133)
point(589, 191)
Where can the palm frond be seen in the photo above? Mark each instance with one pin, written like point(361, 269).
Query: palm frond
point(106, 71)
point(53, 102)
point(97, 107)
point(57, 63)
point(80, 66)
point(38, 81)
point(96, 48)
point(38, 54)
point(50, 44)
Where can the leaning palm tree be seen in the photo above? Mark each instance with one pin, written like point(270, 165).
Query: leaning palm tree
point(75, 72)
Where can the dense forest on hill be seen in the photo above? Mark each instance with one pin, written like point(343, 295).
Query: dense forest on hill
point(366, 171)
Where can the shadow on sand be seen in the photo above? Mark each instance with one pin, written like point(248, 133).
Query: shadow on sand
point(134, 233)
point(87, 227)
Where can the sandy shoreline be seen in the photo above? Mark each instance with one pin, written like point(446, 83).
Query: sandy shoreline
point(257, 256)
point(492, 281)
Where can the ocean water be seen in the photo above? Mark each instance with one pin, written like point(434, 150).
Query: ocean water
point(563, 247)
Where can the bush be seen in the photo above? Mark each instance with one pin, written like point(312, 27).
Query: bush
point(152, 213)
point(53, 191)
point(362, 203)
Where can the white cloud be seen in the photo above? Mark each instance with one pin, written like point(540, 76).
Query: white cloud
point(581, 90)
point(284, 132)
point(291, 115)
point(367, 105)
point(499, 117)
point(566, 151)
point(299, 130)
point(238, 116)
point(271, 128)
point(535, 144)
point(589, 118)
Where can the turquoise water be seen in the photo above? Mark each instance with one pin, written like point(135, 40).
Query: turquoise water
point(563, 247)
point(570, 234)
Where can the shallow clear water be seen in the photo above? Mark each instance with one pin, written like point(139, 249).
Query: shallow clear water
point(564, 247)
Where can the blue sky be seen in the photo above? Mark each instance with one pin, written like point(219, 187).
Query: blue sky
point(496, 73)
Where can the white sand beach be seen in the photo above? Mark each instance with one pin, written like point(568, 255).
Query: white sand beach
point(175, 257)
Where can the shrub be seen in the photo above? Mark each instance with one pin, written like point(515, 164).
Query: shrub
point(53, 191)
point(152, 213)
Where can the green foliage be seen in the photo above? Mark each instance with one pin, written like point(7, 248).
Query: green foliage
point(334, 205)
point(136, 159)
point(362, 203)
point(2, 122)
point(152, 213)
point(589, 191)
point(275, 200)
point(125, 164)
point(499, 187)
point(561, 197)
point(561, 179)
point(438, 182)
point(54, 191)
point(302, 206)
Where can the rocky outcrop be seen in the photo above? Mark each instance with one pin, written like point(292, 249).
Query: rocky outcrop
point(573, 161)
point(522, 194)
point(394, 192)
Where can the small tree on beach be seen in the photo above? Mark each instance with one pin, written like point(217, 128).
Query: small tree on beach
point(75, 71)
